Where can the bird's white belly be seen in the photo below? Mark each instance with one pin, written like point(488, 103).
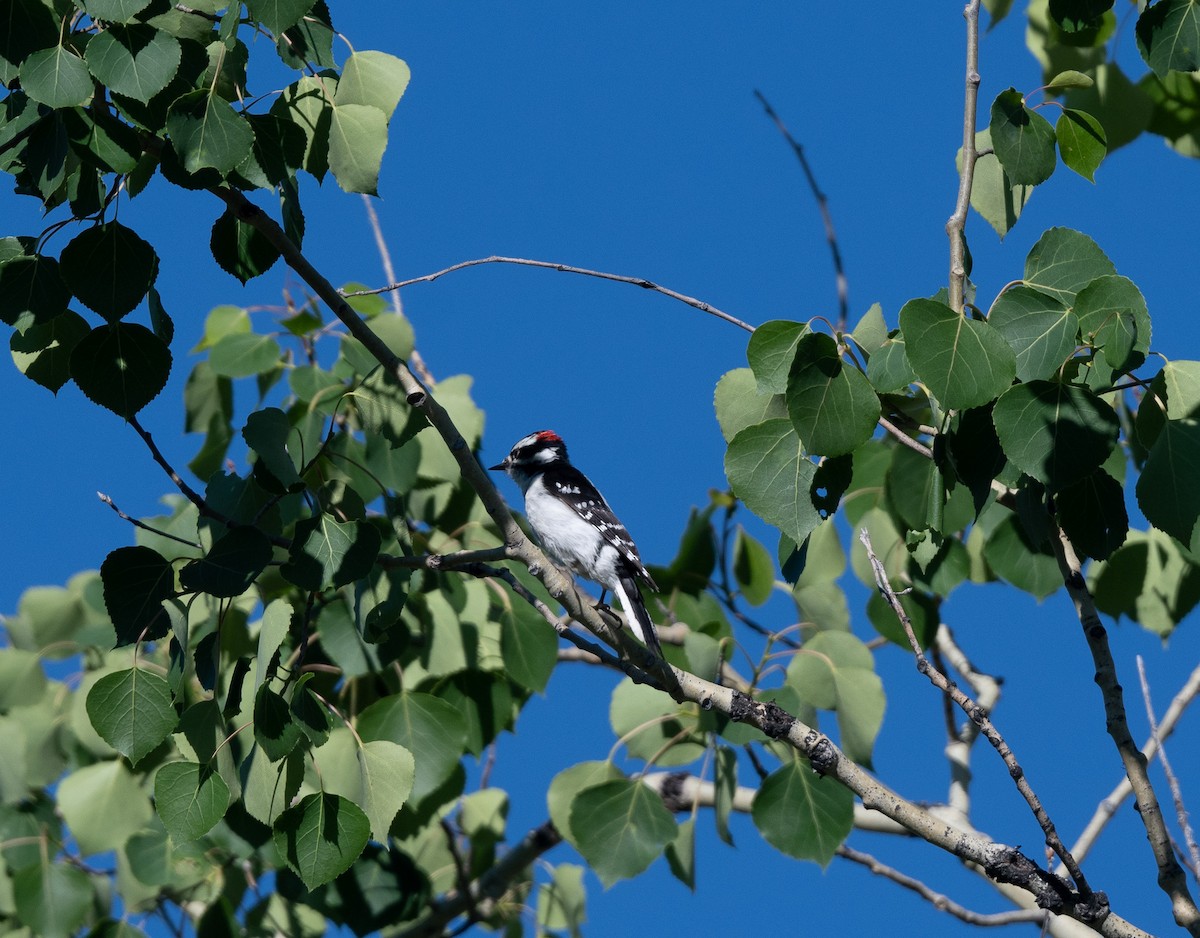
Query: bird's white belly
point(580, 550)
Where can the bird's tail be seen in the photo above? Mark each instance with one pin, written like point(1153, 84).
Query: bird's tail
point(635, 610)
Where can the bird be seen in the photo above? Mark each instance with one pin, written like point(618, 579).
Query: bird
point(577, 528)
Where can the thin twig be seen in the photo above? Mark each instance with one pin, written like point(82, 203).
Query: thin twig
point(389, 271)
point(567, 269)
point(188, 492)
point(939, 901)
point(957, 224)
point(145, 527)
point(978, 716)
point(823, 205)
point(1171, 878)
point(1181, 811)
point(1123, 789)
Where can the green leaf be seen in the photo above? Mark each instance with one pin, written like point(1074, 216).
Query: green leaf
point(962, 362)
point(268, 432)
point(103, 806)
point(1113, 314)
point(357, 139)
point(1166, 491)
point(652, 725)
point(136, 581)
point(242, 354)
point(994, 195)
point(1022, 138)
point(1168, 36)
point(1039, 329)
point(1092, 514)
point(1149, 579)
point(803, 815)
point(278, 15)
point(321, 836)
point(1081, 141)
point(561, 905)
point(138, 61)
point(269, 787)
point(768, 470)
point(231, 566)
point(1069, 78)
point(329, 553)
point(835, 671)
point(52, 899)
point(831, 404)
point(240, 248)
point(121, 367)
point(132, 710)
point(274, 628)
point(434, 730)
point(753, 568)
point(207, 133)
point(372, 78)
point(190, 799)
point(529, 646)
point(43, 351)
point(56, 78)
point(377, 776)
point(305, 104)
point(1056, 433)
point(724, 789)
point(739, 405)
point(1015, 559)
point(570, 782)
point(1173, 394)
point(621, 827)
point(109, 268)
point(681, 853)
point(771, 350)
point(274, 729)
point(31, 290)
point(1063, 262)
point(889, 370)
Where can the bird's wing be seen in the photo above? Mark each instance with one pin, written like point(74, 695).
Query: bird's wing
point(590, 505)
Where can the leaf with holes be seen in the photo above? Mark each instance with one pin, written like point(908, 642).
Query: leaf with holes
point(121, 367)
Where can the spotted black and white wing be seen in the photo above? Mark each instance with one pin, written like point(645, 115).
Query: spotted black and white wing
point(574, 488)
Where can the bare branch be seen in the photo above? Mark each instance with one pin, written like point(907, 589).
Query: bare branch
point(823, 205)
point(1171, 878)
point(567, 269)
point(979, 716)
point(957, 225)
point(1108, 807)
point(1181, 812)
point(938, 900)
point(145, 527)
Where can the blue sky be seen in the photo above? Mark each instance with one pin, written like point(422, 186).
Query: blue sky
point(627, 139)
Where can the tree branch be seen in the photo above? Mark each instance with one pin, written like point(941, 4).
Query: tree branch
point(567, 269)
point(1002, 863)
point(1181, 813)
point(823, 205)
point(979, 716)
point(1171, 878)
point(957, 225)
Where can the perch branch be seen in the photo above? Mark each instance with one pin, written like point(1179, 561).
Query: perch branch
point(1171, 878)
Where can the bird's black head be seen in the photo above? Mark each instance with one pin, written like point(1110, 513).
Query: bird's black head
point(533, 453)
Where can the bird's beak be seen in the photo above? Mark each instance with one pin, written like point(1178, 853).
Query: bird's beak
point(501, 466)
